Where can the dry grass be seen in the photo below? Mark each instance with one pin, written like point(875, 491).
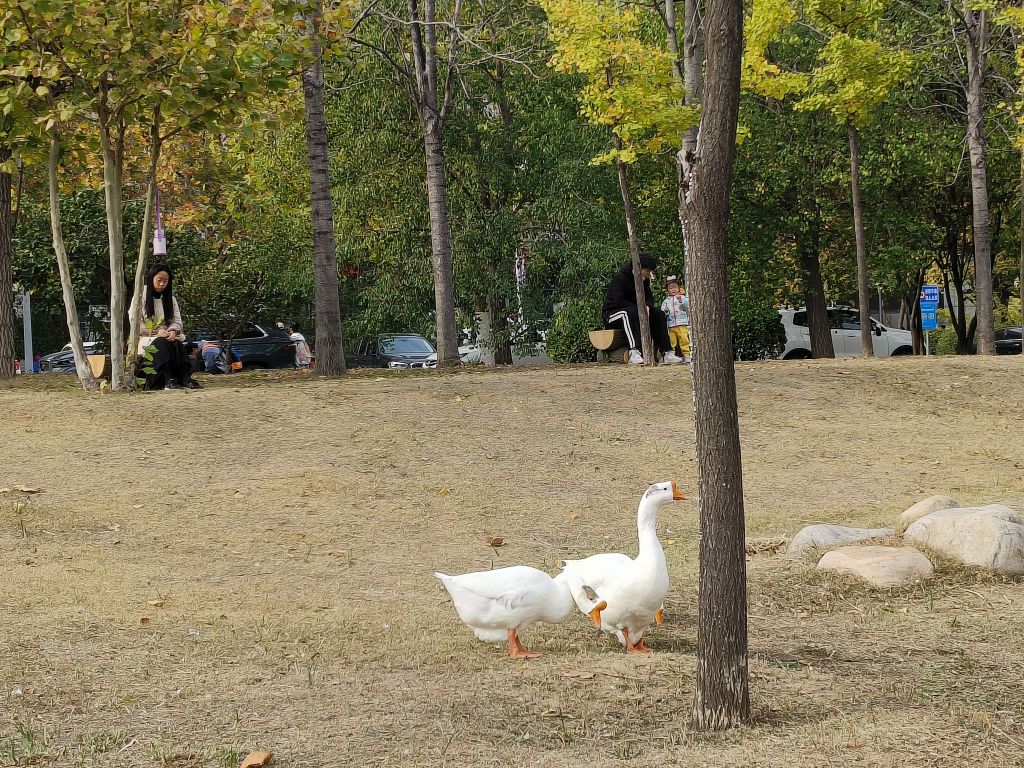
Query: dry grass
point(250, 566)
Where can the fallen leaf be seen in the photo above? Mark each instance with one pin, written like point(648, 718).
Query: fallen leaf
point(495, 541)
point(257, 760)
point(156, 603)
point(144, 621)
point(574, 516)
point(670, 542)
point(27, 489)
point(442, 492)
point(579, 674)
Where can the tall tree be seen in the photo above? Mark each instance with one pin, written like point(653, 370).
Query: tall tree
point(975, 34)
point(330, 353)
point(7, 352)
point(722, 698)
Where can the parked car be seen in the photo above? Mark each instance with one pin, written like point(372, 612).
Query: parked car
point(256, 346)
point(1008, 341)
point(845, 325)
point(469, 354)
point(391, 350)
point(64, 360)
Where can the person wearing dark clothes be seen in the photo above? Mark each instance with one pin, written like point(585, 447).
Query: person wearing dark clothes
point(162, 330)
point(620, 311)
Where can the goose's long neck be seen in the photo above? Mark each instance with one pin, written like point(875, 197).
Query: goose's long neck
point(647, 530)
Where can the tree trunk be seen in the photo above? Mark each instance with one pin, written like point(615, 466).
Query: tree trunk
point(1020, 284)
point(814, 300)
point(691, 76)
point(112, 199)
point(975, 33)
point(67, 286)
point(500, 341)
point(722, 698)
point(863, 285)
point(330, 352)
point(139, 284)
point(7, 351)
point(646, 344)
point(440, 241)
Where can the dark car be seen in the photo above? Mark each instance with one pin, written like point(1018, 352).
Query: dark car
point(257, 346)
point(1008, 341)
point(390, 350)
point(64, 361)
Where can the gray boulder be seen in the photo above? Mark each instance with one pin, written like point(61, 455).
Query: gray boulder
point(986, 537)
point(830, 536)
point(879, 566)
point(922, 508)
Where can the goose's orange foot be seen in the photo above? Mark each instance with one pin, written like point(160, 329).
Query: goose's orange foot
point(515, 648)
point(637, 647)
point(659, 617)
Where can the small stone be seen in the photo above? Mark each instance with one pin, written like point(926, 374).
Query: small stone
point(831, 536)
point(989, 537)
point(922, 508)
point(879, 566)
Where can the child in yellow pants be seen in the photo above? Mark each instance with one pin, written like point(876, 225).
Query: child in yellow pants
point(676, 307)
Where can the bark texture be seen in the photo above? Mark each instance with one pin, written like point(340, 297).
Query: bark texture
point(721, 698)
point(330, 352)
point(976, 42)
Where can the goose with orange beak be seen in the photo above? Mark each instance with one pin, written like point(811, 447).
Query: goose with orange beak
point(634, 589)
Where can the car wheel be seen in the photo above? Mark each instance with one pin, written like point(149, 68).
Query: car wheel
point(798, 354)
point(902, 351)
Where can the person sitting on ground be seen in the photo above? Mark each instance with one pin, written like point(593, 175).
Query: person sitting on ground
point(302, 353)
point(170, 364)
point(620, 311)
point(676, 307)
point(213, 358)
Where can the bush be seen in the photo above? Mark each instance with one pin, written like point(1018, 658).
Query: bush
point(567, 340)
point(757, 334)
point(943, 341)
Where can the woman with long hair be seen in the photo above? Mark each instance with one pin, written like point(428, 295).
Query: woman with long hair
point(169, 366)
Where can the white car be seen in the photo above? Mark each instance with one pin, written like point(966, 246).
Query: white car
point(845, 324)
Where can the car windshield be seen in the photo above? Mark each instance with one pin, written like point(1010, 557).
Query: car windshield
point(405, 345)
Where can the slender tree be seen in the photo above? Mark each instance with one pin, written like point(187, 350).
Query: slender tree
point(7, 351)
point(330, 353)
point(721, 698)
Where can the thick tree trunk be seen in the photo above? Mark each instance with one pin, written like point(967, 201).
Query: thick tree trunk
point(722, 698)
point(330, 352)
point(112, 199)
point(975, 33)
point(500, 341)
point(1020, 284)
point(423, 30)
point(814, 300)
point(7, 351)
point(646, 344)
point(863, 285)
point(67, 286)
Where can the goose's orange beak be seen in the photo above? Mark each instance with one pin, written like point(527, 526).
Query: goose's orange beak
point(677, 495)
point(595, 614)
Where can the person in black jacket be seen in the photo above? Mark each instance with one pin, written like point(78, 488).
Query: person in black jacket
point(620, 311)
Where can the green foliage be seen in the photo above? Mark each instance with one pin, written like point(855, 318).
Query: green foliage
point(567, 340)
point(757, 333)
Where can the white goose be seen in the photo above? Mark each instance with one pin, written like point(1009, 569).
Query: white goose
point(634, 590)
point(498, 604)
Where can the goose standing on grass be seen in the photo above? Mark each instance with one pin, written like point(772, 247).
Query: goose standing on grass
point(498, 604)
point(634, 589)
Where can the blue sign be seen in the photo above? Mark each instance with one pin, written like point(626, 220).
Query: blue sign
point(930, 293)
point(929, 315)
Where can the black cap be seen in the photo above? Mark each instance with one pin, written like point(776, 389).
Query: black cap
point(648, 262)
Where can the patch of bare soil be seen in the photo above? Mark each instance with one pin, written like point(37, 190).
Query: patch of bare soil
point(250, 566)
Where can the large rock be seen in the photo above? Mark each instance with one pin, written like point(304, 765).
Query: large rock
point(922, 508)
point(879, 566)
point(986, 537)
point(830, 536)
